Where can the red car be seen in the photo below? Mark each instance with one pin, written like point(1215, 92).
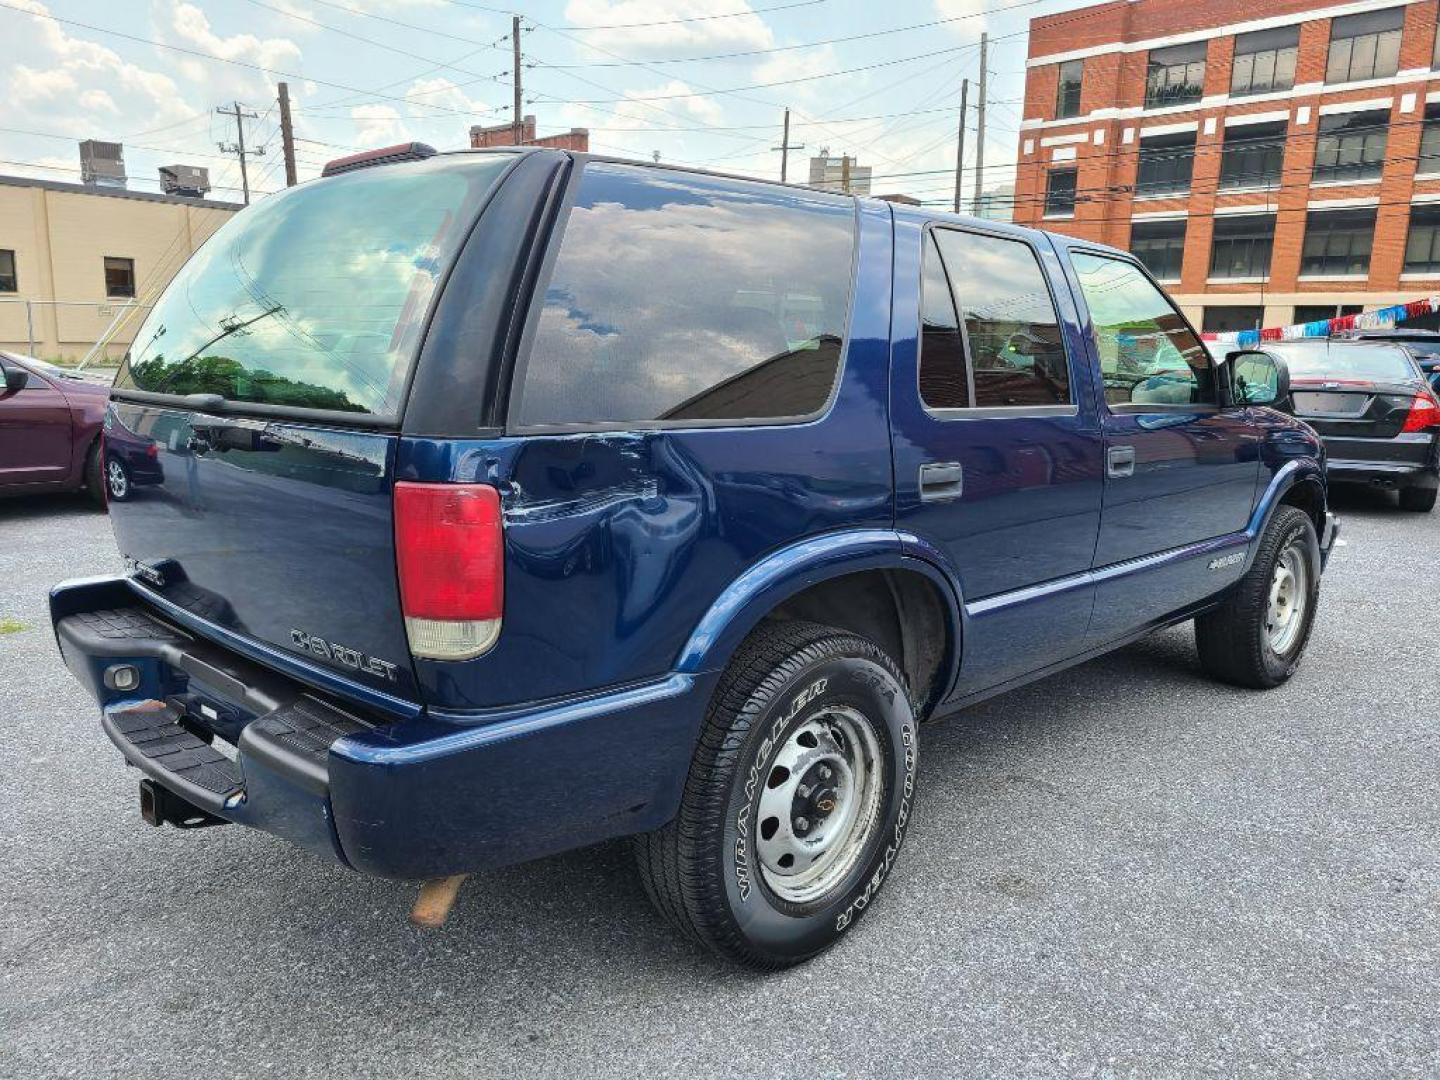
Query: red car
point(50, 422)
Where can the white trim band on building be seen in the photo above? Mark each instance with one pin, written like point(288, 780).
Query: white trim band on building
point(1271, 22)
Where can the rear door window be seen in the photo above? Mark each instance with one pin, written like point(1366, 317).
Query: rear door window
point(315, 298)
point(1007, 328)
point(678, 298)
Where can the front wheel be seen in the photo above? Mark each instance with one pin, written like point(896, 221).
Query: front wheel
point(1257, 636)
point(1419, 499)
point(797, 800)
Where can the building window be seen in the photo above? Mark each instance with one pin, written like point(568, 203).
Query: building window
point(1241, 246)
point(1430, 142)
point(1308, 313)
point(1351, 146)
point(1067, 97)
point(119, 276)
point(1422, 247)
point(1230, 318)
point(1160, 245)
point(1253, 155)
point(8, 280)
point(1060, 193)
point(1265, 61)
point(1166, 162)
point(1365, 46)
point(1337, 243)
point(1175, 76)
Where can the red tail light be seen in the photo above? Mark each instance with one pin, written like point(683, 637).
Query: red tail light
point(449, 549)
point(1424, 414)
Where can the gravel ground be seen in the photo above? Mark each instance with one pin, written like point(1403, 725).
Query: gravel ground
point(1122, 871)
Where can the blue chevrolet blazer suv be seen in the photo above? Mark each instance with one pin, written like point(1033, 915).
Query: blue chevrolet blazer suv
point(512, 501)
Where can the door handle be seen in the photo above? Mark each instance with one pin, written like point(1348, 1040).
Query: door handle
point(941, 480)
point(1120, 462)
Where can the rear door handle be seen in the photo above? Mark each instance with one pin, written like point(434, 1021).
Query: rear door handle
point(941, 480)
point(1120, 462)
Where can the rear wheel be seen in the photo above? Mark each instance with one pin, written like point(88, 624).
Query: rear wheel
point(1419, 499)
point(1257, 636)
point(797, 799)
point(117, 480)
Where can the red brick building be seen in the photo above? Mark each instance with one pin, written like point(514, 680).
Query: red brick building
point(577, 139)
point(1272, 162)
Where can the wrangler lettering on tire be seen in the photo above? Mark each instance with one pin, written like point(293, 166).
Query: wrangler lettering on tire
point(797, 801)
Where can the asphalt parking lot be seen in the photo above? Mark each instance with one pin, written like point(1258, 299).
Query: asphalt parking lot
point(1122, 871)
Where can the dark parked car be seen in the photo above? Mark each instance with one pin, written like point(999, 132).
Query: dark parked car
point(1375, 410)
point(49, 429)
point(514, 501)
point(1422, 345)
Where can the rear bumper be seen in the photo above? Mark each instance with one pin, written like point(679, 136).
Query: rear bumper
point(1400, 461)
point(415, 798)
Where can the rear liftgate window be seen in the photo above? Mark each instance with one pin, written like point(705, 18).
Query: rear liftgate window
point(314, 298)
point(684, 299)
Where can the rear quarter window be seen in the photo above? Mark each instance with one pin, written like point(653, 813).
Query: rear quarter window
point(314, 298)
point(683, 299)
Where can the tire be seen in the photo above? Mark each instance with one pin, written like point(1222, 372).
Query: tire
point(1249, 640)
point(820, 699)
point(118, 485)
point(94, 477)
point(1419, 499)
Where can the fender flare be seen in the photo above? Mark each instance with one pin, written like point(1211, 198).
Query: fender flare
point(1290, 475)
point(792, 569)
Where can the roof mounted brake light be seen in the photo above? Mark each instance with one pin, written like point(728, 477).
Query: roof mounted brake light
point(410, 151)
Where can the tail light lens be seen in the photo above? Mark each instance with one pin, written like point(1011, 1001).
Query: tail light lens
point(1424, 414)
point(449, 550)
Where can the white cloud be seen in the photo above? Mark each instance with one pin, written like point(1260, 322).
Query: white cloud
point(971, 12)
point(192, 25)
point(747, 31)
point(75, 67)
point(378, 125)
point(802, 64)
point(428, 97)
point(668, 109)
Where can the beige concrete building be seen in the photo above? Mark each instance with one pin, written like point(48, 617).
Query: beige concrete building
point(76, 259)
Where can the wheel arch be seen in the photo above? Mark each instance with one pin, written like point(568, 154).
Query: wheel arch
point(861, 581)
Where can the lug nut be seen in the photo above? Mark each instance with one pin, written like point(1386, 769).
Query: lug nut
point(802, 824)
point(803, 791)
point(824, 772)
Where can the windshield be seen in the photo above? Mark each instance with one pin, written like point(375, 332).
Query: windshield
point(314, 298)
point(1370, 363)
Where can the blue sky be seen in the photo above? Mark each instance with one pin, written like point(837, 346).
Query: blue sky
point(644, 76)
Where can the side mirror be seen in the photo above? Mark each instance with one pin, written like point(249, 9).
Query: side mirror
point(1257, 378)
point(16, 379)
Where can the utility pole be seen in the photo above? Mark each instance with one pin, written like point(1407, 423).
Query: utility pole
point(960, 146)
point(845, 174)
point(980, 120)
point(238, 146)
point(785, 147)
point(519, 121)
point(287, 135)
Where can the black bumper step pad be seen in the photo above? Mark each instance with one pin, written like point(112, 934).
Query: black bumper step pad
point(124, 624)
point(156, 736)
point(308, 727)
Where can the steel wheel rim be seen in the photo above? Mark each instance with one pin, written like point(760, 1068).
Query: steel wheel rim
point(115, 473)
point(820, 805)
point(1289, 593)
